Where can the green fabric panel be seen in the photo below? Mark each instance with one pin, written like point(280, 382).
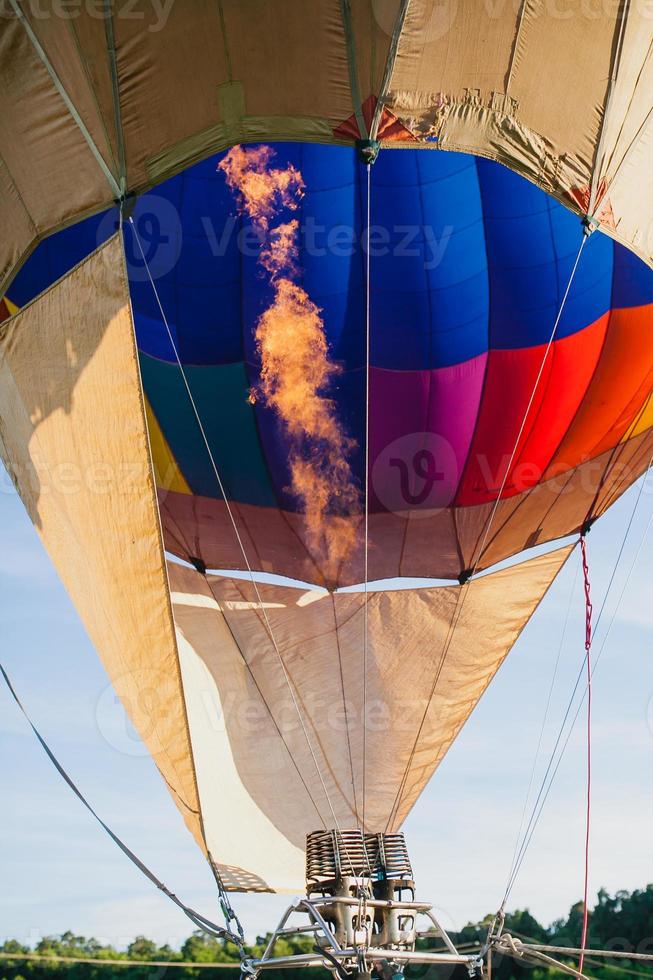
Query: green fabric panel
point(220, 394)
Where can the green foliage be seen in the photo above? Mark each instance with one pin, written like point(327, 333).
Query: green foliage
point(622, 921)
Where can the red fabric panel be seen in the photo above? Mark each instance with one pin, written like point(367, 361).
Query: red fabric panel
point(509, 384)
point(390, 129)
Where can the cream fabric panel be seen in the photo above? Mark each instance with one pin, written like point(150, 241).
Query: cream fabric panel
point(624, 188)
point(260, 788)
point(232, 71)
point(521, 83)
point(497, 608)
point(448, 47)
point(525, 83)
point(563, 59)
point(300, 46)
point(631, 101)
point(193, 78)
point(43, 156)
point(72, 435)
point(76, 46)
point(17, 219)
point(221, 695)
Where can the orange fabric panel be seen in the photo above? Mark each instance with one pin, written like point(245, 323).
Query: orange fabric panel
point(621, 384)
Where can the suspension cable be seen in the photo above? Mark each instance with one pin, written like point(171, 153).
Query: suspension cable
point(588, 661)
point(517, 950)
point(545, 716)
point(626, 581)
point(367, 477)
point(615, 954)
point(45, 959)
point(206, 925)
point(268, 625)
point(553, 764)
point(464, 589)
point(563, 302)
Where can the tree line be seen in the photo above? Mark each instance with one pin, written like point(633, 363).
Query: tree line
point(623, 921)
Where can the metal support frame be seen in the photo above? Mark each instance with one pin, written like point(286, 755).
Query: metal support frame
point(361, 911)
point(332, 954)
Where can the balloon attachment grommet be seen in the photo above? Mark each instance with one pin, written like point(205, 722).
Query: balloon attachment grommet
point(368, 150)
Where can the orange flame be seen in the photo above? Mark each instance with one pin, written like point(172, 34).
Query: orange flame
point(280, 253)
point(296, 368)
point(262, 190)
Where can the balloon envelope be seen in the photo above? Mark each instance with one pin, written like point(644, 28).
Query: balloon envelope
point(469, 264)
point(192, 395)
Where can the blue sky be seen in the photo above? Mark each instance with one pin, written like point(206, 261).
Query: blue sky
point(59, 871)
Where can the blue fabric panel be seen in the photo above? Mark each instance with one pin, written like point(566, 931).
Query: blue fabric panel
point(464, 254)
point(532, 242)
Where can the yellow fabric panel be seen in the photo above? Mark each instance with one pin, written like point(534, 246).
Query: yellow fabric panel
point(73, 437)
point(642, 422)
point(166, 471)
point(257, 815)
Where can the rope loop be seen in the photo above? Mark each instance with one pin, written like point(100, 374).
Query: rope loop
point(588, 594)
point(588, 663)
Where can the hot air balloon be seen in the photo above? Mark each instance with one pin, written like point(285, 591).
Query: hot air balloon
point(304, 303)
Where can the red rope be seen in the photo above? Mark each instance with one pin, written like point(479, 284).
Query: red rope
point(588, 647)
